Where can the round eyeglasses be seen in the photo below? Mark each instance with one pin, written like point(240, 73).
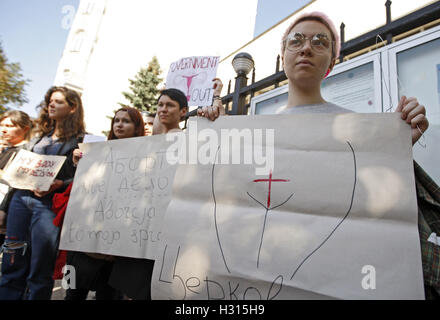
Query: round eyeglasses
point(320, 43)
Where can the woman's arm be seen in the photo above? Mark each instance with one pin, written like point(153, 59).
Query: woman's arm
point(216, 109)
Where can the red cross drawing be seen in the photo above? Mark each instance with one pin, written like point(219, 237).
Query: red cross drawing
point(270, 185)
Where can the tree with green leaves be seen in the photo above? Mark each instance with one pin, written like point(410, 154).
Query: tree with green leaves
point(11, 83)
point(144, 91)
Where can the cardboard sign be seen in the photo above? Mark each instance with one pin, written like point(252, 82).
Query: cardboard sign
point(90, 138)
point(193, 76)
point(32, 171)
point(119, 195)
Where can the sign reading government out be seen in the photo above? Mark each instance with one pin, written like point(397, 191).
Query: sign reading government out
point(193, 76)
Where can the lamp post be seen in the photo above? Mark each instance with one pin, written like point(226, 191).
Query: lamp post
point(243, 64)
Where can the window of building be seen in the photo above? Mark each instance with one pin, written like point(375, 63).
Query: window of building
point(415, 72)
point(353, 89)
point(269, 102)
point(78, 41)
point(66, 73)
point(88, 8)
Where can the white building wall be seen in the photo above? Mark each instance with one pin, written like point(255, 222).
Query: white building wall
point(74, 62)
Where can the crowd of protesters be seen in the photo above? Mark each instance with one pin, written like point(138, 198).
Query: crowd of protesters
point(310, 47)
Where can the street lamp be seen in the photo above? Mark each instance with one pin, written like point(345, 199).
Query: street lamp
point(243, 64)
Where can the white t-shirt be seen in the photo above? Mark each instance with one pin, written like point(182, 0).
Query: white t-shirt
point(327, 107)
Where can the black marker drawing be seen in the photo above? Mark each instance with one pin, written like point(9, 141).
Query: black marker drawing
point(268, 208)
point(340, 222)
point(215, 210)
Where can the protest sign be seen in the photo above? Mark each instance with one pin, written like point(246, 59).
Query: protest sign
point(32, 171)
point(89, 138)
point(335, 217)
point(193, 76)
point(4, 188)
point(120, 192)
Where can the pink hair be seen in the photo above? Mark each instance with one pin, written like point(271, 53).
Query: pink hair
point(321, 17)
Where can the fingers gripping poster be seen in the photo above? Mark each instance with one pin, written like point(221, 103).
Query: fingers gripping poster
point(193, 76)
point(317, 207)
point(120, 192)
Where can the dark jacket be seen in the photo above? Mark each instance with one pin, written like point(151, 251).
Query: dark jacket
point(428, 202)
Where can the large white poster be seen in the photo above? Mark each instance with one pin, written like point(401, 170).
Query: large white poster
point(119, 195)
point(335, 216)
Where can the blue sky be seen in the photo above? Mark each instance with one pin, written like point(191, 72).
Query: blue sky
point(33, 33)
point(270, 12)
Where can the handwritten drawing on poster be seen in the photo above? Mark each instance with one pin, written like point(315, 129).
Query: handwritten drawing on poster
point(32, 171)
point(120, 192)
point(193, 76)
point(333, 218)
